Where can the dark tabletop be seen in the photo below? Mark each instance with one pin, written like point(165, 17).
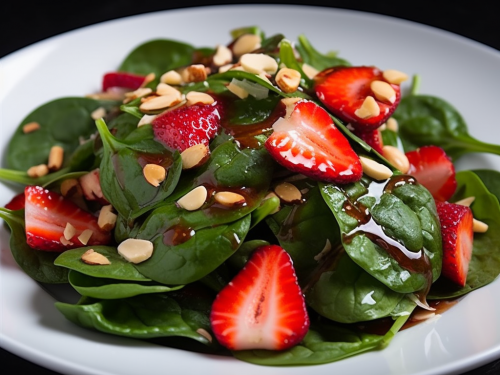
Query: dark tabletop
point(26, 22)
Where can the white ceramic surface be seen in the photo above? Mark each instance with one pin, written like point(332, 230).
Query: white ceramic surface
point(459, 70)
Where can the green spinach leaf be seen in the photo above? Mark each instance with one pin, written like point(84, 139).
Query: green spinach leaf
point(316, 59)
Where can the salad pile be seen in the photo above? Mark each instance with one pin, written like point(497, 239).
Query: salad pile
point(258, 199)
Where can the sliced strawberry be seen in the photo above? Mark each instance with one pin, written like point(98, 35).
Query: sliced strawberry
point(16, 203)
point(344, 89)
point(433, 168)
point(457, 231)
point(122, 79)
point(373, 138)
point(188, 125)
point(308, 142)
point(47, 213)
point(263, 306)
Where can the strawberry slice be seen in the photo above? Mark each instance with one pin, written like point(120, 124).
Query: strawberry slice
point(46, 215)
point(343, 90)
point(16, 203)
point(433, 168)
point(187, 126)
point(373, 138)
point(457, 231)
point(308, 142)
point(122, 79)
point(263, 306)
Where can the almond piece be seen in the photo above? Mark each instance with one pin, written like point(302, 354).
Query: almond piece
point(288, 192)
point(394, 76)
point(135, 250)
point(229, 199)
point(171, 78)
point(195, 156)
point(368, 109)
point(71, 187)
point(69, 231)
point(383, 91)
point(38, 171)
point(288, 80)
point(160, 102)
point(195, 97)
point(204, 333)
point(237, 90)
point(98, 113)
point(309, 71)
point(478, 226)
point(94, 258)
point(374, 169)
point(258, 62)
point(392, 124)
point(85, 236)
point(145, 120)
point(30, 127)
point(165, 89)
point(154, 174)
point(107, 218)
point(396, 157)
point(91, 186)
point(222, 56)
point(194, 199)
point(466, 201)
point(194, 73)
point(56, 157)
point(246, 43)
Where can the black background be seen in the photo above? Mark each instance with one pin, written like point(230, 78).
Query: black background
point(23, 23)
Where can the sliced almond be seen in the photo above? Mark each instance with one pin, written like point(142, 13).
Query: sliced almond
point(466, 201)
point(154, 174)
point(65, 242)
point(94, 258)
point(246, 43)
point(374, 169)
point(30, 127)
point(478, 226)
point(258, 62)
point(392, 124)
point(165, 89)
point(69, 231)
point(98, 113)
point(394, 76)
point(195, 97)
point(368, 109)
point(145, 120)
point(171, 78)
point(107, 218)
point(225, 68)
point(195, 156)
point(237, 90)
point(56, 158)
point(194, 73)
point(139, 93)
point(85, 236)
point(38, 171)
point(222, 56)
point(423, 315)
point(288, 80)
point(309, 71)
point(290, 105)
point(135, 250)
point(205, 334)
point(160, 102)
point(229, 199)
point(397, 158)
point(70, 188)
point(288, 192)
point(194, 199)
point(149, 78)
point(383, 91)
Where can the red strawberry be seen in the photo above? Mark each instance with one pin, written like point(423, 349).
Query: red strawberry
point(373, 138)
point(47, 214)
point(456, 228)
point(263, 306)
point(343, 90)
point(122, 79)
point(433, 168)
point(188, 125)
point(16, 203)
point(308, 142)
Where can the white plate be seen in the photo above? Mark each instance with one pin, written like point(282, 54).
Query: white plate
point(457, 69)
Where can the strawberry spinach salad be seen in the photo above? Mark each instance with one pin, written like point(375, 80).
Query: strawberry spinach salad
point(258, 199)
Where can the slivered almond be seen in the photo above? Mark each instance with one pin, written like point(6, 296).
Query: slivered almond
point(107, 218)
point(394, 76)
point(466, 201)
point(139, 93)
point(194, 156)
point(288, 80)
point(98, 113)
point(223, 56)
point(392, 124)
point(194, 73)
point(309, 71)
point(478, 226)
point(38, 171)
point(229, 199)
point(205, 334)
point(85, 236)
point(423, 315)
point(237, 90)
point(30, 127)
point(246, 43)
point(194, 199)
point(368, 109)
point(136, 250)
point(154, 174)
point(258, 62)
point(159, 103)
point(396, 157)
point(383, 91)
point(65, 242)
point(166, 89)
point(171, 78)
point(94, 258)
point(288, 192)
point(195, 97)
point(69, 231)
point(225, 68)
point(56, 157)
point(374, 169)
point(146, 119)
point(149, 78)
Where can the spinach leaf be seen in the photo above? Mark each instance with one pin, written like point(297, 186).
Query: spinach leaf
point(121, 175)
point(316, 59)
point(287, 57)
point(62, 123)
point(427, 120)
point(490, 179)
point(348, 294)
point(105, 288)
point(325, 342)
point(119, 269)
point(484, 266)
point(390, 229)
point(39, 265)
point(255, 30)
point(244, 252)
